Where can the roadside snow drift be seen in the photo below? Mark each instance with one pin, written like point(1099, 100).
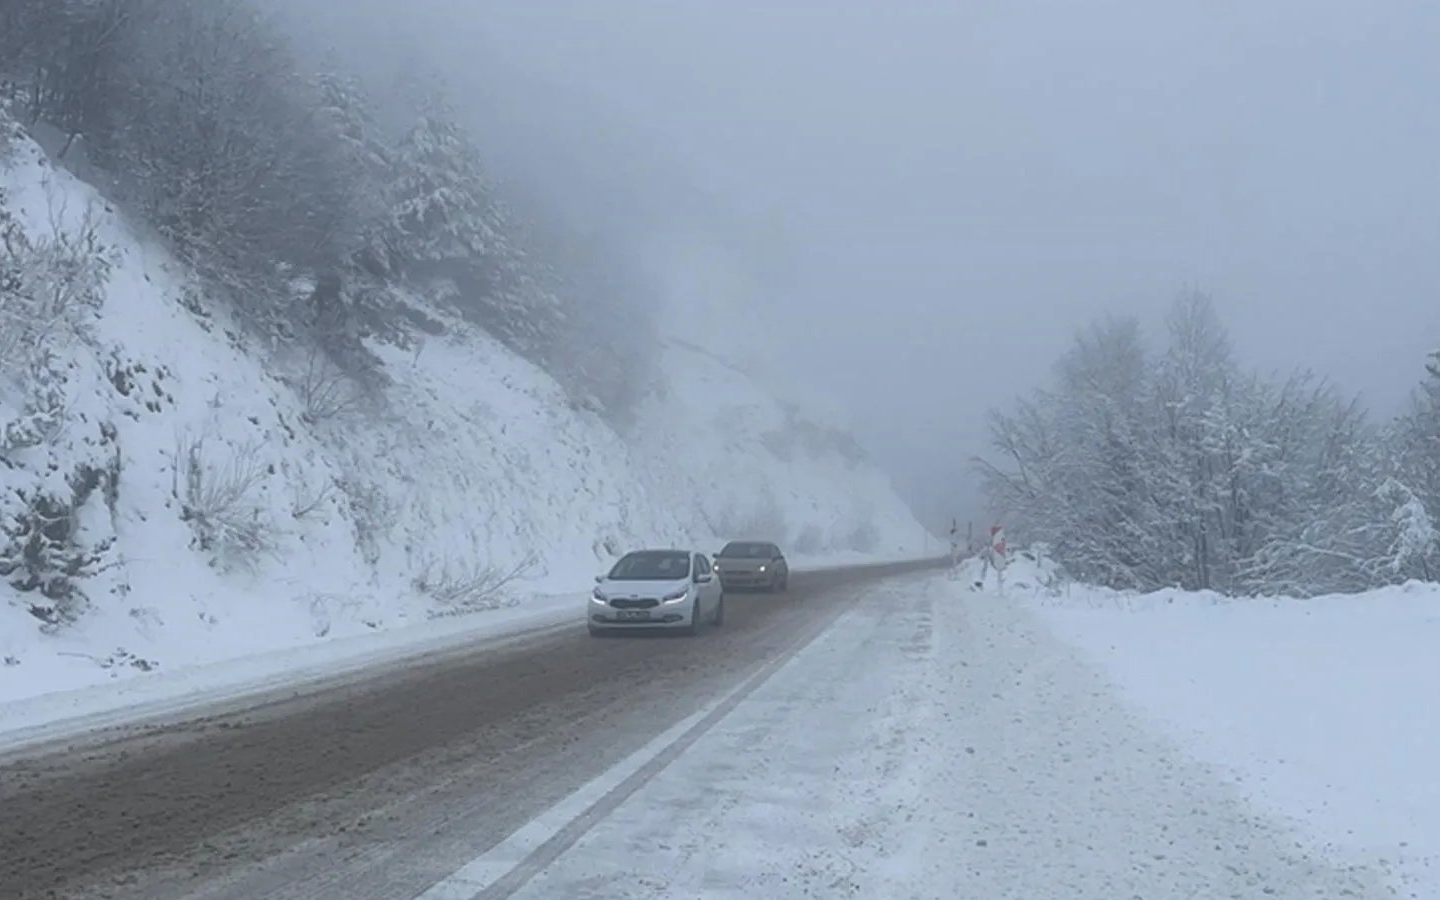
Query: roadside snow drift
point(1322, 711)
point(171, 493)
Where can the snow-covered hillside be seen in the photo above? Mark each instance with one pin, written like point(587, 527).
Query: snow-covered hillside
point(708, 421)
point(1319, 711)
point(205, 496)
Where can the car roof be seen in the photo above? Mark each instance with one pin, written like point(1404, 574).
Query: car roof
point(644, 550)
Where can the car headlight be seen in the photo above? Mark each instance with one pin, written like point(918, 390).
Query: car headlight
point(762, 568)
point(597, 597)
point(677, 596)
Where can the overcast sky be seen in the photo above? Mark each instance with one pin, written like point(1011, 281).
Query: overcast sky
point(927, 198)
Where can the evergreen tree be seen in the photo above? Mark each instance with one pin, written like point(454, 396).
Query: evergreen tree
point(346, 119)
point(442, 214)
point(446, 226)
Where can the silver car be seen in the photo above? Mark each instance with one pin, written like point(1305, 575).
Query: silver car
point(657, 590)
point(754, 565)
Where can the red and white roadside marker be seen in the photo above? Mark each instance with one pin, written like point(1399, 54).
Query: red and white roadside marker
point(997, 540)
point(994, 556)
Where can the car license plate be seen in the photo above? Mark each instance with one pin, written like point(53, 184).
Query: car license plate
point(632, 615)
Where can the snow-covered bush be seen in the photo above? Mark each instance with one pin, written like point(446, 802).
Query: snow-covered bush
point(1414, 540)
point(326, 392)
point(309, 499)
point(41, 414)
point(468, 584)
point(10, 130)
point(44, 547)
point(372, 515)
point(219, 494)
point(51, 288)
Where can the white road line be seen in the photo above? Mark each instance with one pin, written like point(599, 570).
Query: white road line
point(511, 864)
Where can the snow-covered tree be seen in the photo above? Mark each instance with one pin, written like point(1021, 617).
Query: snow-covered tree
point(198, 110)
point(1193, 382)
point(347, 114)
point(68, 49)
point(345, 117)
point(1413, 439)
point(1411, 491)
point(1076, 463)
point(1414, 540)
point(601, 347)
point(448, 227)
point(442, 211)
point(1320, 522)
point(1105, 455)
point(1183, 470)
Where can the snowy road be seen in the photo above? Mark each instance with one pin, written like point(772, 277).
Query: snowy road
point(927, 743)
point(379, 787)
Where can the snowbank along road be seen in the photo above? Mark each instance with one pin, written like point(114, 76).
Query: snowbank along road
point(381, 787)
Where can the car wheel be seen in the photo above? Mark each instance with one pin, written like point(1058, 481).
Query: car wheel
point(694, 627)
point(719, 618)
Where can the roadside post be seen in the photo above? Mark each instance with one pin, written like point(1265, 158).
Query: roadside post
point(997, 556)
point(954, 549)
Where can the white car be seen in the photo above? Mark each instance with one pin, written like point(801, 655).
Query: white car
point(657, 590)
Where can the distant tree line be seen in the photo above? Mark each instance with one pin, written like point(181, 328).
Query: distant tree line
point(1144, 470)
point(263, 174)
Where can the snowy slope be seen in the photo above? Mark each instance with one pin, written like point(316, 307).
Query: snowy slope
point(1320, 711)
point(472, 463)
point(768, 469)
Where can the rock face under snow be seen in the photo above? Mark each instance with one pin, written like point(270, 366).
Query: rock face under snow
point(169, 484)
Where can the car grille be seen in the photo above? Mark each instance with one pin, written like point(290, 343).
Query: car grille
point(634, 603)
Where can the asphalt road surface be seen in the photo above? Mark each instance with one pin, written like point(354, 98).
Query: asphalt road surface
point(376, 788)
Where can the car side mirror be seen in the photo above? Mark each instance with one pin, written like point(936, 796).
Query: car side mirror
point(702, 579)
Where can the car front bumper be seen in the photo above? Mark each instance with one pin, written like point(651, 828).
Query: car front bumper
point(741, 580)
point(653, 619)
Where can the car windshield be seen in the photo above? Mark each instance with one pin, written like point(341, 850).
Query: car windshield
point(748, 551)
point(652, 565)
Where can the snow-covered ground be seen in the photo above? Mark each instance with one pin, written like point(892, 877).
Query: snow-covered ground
point(1321, 712)
point(934, 743)
point(231, 517)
